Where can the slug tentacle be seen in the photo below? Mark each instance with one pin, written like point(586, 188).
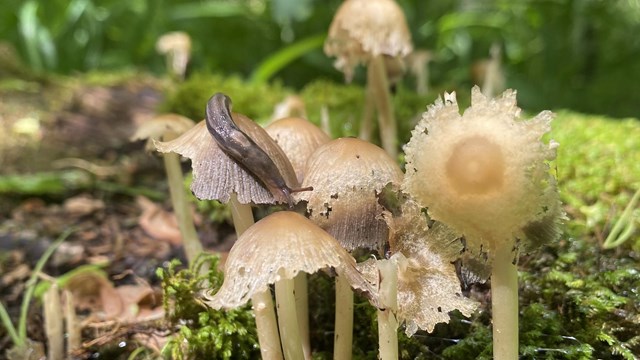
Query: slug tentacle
point(244, 150)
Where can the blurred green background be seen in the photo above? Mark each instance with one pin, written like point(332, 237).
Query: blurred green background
point(576, 54)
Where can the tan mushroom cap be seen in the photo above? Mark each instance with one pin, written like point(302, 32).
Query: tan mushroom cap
point(278, 247)
point(173, 41)
point(362, 29)
point(487, 169)
point(347, 175)
point(298, 138)
point(428, 286)
point(216, 175)
point(160, 125)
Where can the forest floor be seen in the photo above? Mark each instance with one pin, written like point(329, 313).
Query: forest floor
point(67, 163)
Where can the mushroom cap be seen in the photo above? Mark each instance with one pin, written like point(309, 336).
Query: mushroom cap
point(278, 247)
point(173, 41)
point(428, 285)
point(347, 176)
point(485, 173)
point(362, 29)
point(160, 125)
point(216, 175)
point(298, 138)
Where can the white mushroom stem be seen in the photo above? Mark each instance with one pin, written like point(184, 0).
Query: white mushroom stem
point(387, 322)
point(288, 319)
point(504, 304)
point(378, 84)
point(190, 240)
point(262, 303)
point(343, 331)
point(301, 290)
point(366, 124)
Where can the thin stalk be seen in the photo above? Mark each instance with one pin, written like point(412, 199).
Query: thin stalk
point(262, 303)
point(301, 292)
point(343, 329)
point(53, 321)
point(387, 322)
point(504, 304)
point(288, 319)
point(190, 240)
point(366, 123)
point(74, 337)
point(31, 286)
point(377, 78)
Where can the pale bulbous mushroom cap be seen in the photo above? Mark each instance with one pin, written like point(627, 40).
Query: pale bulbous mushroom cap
point(484, 173)
point(278, 247)
point(173, 41)
point(362, 29)
point(347, 176)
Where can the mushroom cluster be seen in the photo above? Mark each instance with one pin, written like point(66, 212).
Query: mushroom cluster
point(483, 177)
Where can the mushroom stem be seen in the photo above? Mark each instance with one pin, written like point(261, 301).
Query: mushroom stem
point(342, 341)
point(262, 303)
point(504, 304)
point(288, 319)
point(301, 290)
point(366, 124)
point(190, 240)
point(387, 322)
point(379, 84)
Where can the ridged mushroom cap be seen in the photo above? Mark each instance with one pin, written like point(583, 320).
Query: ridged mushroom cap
point(216, 175)
point(280, 246)
point(362, 29)
point(298, 138)
point(347, 176)
point(483, 173)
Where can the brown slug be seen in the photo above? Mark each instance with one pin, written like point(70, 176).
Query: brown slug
point(241, 148)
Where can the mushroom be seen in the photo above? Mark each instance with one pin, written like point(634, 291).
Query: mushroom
point(176, 46)
point(348, 175)
point(298, 138)
point(168, 127)
point(217, 175)
point(485, 175)
point(291, 106)
point(367, 31)
point(418, 62)
point(274, 250)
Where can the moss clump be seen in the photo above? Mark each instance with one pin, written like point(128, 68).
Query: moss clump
point(253, 100)
point(203, 333)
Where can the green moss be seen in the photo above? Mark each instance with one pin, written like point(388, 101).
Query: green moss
point(608, 146)
point(254, 100)
point(203, 333)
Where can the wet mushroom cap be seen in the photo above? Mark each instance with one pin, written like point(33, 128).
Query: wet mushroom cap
point(347, 176)
point(298, 138)
point(278, 246)
point(216, 175)
point(365, 28)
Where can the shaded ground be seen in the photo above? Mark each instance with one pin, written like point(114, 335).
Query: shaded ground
point(78, 170)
